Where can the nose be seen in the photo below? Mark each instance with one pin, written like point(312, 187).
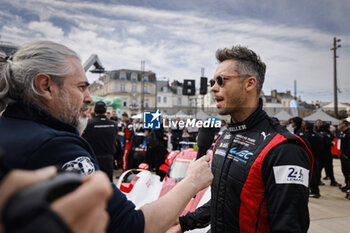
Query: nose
point(87, 98)
point(214, 88)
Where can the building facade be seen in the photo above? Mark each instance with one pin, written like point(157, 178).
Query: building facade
point(137, 89)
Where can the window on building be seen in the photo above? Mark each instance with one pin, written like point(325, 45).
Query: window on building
point(122, 75)
point(146, 103)
point(133, 88)
point(164, 99)
point(145, 89)
point(145, 78)
point(159, 99)
point(285, 104)
point(179, 91)
point(179, 101)
point(165, 89)
point(133, 102)
point(122, 87)
point(125, 102)
point(133, 76)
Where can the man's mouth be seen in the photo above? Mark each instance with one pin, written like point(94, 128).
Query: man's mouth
point(218, 99)
point(84, 108)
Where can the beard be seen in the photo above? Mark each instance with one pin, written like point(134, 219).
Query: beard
point(67, 111)
point(82, 123)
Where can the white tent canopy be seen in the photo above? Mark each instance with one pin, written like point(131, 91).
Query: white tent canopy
point(283, 115)
point(340, 107)
point(319, 114)
point(201, 115)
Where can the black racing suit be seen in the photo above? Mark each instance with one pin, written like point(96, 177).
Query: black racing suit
point(326, 155)
point(345, 154)
point(261, 178)
point(316, 147)
point(128, 150)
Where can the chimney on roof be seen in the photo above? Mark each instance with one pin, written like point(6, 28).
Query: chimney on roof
point(274, 93)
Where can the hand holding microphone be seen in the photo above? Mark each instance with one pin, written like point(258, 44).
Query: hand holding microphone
point(205, 139)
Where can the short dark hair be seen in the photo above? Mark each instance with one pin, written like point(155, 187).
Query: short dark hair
point(345, 122)
point(125, 114)
point(100, 107)
point(297, 121)
point(247, 62)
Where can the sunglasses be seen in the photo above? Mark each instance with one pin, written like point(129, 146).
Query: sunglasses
point(220, 78)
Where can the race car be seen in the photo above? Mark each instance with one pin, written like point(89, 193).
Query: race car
point(142, 187)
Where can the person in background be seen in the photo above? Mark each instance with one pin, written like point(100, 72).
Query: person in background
point(327, 156)
point(156, 149)
point(167, 136)
point(193, 132)
point(316, 145)
point(128, 139)
point(176, 135)
point(298, 125)
point(318, 125)
point(345, 153)
point(114, 116)
point(102, 134)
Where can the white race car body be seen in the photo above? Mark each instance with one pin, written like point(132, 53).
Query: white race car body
point(142, 186)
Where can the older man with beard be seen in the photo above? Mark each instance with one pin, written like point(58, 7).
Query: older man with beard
point(44, 92)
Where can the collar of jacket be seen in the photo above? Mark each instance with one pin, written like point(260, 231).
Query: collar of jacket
point(257, 116)
point(100, 117)
point(25, 110)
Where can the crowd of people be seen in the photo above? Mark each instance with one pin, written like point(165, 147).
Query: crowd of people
point(152, 146)
point(320, 139)
point(128, 144)
point(260, 173)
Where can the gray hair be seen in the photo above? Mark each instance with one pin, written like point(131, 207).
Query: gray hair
point(17, 73)
point(248, 62)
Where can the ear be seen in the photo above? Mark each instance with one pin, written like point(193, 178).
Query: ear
point(251, 84)
point(43, 84)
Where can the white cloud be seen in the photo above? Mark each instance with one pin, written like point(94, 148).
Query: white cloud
point(177, 44)
point(47, 29)
point(136, 29)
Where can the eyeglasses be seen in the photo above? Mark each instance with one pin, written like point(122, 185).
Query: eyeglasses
point(220, 78)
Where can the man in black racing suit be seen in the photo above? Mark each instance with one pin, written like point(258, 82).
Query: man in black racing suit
point(261, 171)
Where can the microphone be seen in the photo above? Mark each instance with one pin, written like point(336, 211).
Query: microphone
point(205, 139)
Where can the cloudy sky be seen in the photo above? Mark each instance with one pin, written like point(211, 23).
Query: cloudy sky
point(177, 38)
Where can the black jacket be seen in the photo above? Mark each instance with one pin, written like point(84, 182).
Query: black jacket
point(32, 138)
point(261, 177)
point(102, 134)
point(345, 142)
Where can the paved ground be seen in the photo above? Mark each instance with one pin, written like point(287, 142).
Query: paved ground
point(331, 212)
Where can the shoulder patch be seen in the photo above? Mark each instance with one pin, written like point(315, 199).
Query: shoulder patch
point(82, 164)
point(291, 174)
